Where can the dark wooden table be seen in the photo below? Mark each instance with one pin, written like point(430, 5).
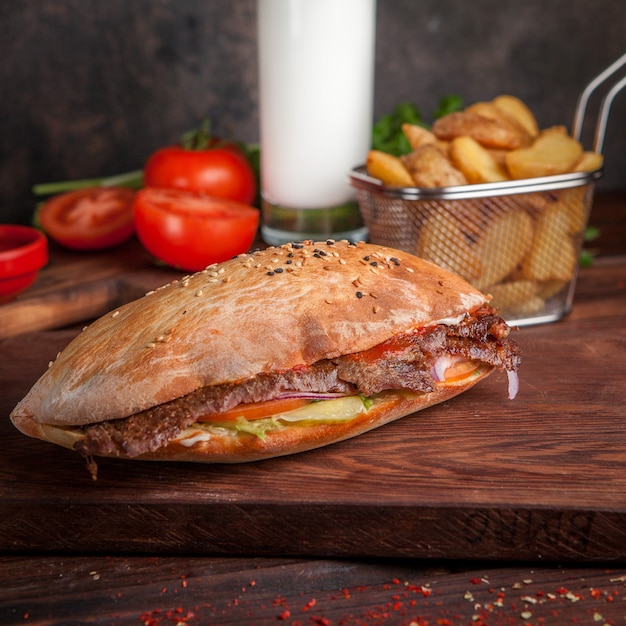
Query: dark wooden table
point(514, 513)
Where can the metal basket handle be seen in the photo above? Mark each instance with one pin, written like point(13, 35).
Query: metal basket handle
point(605, 105)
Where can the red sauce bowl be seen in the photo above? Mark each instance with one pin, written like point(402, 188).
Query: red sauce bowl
point(23, 252)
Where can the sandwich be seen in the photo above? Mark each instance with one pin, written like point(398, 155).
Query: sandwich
point(270, 353)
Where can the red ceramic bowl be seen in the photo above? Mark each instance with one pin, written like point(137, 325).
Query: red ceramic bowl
point(23, 252)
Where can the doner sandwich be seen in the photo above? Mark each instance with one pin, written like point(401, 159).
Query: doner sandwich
point(270, 353)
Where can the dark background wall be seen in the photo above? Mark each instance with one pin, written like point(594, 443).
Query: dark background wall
point(90, 88)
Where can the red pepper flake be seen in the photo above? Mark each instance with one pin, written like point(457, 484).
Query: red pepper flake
point(562, 591)
point(346, 593)
point(285, 615)
point(476, 581)
point(396, 581)
point(595, 593)
point(309, 605)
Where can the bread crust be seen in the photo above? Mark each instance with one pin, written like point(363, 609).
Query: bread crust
point(271, 310)
point(245, 447)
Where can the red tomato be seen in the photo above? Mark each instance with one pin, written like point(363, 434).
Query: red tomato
point(89, 219)
point(256, 410)
point(192, 230)
point(221, 171)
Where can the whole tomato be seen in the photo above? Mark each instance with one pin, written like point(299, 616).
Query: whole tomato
point(203, 164)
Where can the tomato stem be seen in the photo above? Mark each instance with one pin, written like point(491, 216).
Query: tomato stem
point(198, 138)
point(133, 179)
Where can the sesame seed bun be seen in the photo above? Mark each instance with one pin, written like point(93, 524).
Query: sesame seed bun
point(263, 312)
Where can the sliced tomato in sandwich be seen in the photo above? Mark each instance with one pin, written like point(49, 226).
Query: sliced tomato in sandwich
point(256, 410)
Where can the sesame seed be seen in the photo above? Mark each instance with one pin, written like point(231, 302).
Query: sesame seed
point(328, 301)
point(226, 279)
point(362, 261)
point(374, 263)
point(373, 294)
point(198, 293)
point(150, 345)
point(279, 270)
point(342, 261)
point(185, 283)
point(270, 273)
point(359, 294)
point(374, 270)
point(409, 269)
point(115, 313)
point(211, 280)
point(149, 293)
point(375, 308)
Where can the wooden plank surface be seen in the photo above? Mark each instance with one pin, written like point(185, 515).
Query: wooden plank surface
point(162, 591)
point(540, 478)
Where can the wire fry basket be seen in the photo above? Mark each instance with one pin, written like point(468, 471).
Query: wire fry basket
point(518, 240)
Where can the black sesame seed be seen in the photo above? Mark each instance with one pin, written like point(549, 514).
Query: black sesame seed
point(330, 242)
point(270, 273)
point(366, 258)
point(374, 263)
point(297, 246)
point(359, 294)
point(279, 270)
point(290, 255)
point(288, 261)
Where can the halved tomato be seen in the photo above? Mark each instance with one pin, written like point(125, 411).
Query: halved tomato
point(256, 410)
point(191, 230)
point(89, 219)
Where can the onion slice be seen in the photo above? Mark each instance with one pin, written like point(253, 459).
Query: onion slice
point(513, 383)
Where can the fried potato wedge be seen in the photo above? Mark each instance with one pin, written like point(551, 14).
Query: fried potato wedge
point(492, 112)
point(517, 109)
point(442, 241)
point(487, 132)
point(429, 166)
point(418, 135)
point(477, 163)
point(511, 295)
point(388, 169)
point(552, 255)
point(502, 246)
point(589, 162)
point(551, 153)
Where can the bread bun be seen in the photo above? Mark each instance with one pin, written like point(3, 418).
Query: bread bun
point(271, 310)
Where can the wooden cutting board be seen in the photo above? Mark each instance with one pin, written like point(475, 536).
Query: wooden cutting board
point(79, 286)
point(540, 478)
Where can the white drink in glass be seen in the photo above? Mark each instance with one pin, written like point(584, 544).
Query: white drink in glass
point(316, 71)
